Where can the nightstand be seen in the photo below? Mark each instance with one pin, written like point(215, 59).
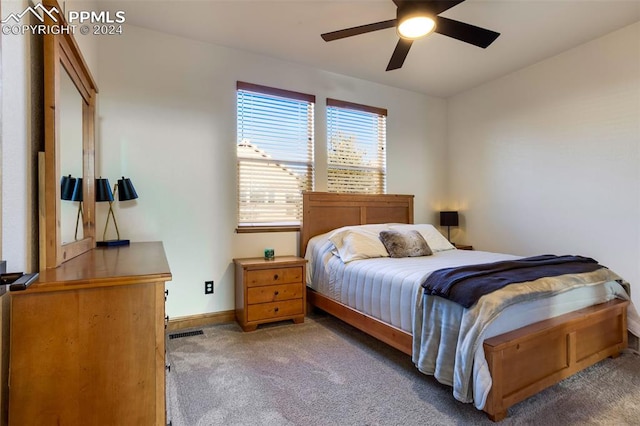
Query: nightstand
point(463, 247)
point(269, 290)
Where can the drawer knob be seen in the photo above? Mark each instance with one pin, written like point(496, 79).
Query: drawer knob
point(275, 277)
point(275, 293)
point(276, 309)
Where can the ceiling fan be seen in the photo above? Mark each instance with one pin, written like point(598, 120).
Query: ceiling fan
point(416, 19)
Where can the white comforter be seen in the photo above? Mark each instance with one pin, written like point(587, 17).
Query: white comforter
point(447, 337)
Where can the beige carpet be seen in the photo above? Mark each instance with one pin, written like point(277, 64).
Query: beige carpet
point(324, 372)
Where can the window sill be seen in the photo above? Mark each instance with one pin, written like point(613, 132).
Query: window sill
point(257, 229)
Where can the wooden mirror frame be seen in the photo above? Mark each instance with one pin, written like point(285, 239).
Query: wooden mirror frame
point(62, 51)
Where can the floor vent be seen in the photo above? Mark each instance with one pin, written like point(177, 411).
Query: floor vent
point(185, 334)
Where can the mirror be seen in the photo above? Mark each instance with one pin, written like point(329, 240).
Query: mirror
point(70, 155)
point(69, 147)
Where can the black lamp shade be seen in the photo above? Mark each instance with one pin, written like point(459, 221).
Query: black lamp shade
point(67, 186)
point(449, 218)
point(77, 190)
point(103, 190)
point(126, 191)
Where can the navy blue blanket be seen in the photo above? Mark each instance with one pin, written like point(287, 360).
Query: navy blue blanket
point(466, 284)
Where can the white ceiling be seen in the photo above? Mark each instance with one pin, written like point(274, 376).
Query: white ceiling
point(531, 30)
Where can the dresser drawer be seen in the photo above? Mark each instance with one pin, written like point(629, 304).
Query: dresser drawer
point(274, 293)
point(274, 276)
point(275, 310)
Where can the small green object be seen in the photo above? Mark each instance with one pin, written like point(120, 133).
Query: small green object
point(269, 254)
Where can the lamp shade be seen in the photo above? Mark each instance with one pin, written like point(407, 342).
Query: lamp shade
point(449, 218)
point(126, 191)
point(77, 190)
point(103, 190)
point(67, 185)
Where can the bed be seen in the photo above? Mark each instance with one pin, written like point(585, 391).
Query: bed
point(573, 339)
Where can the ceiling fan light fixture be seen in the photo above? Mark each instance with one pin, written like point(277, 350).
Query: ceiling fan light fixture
point(415, 20)
point(416, 27)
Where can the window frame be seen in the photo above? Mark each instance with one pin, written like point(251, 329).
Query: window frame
point(335, 103)
point(282, 93)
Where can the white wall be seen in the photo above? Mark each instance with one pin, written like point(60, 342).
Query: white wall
point(16, 148)
point(167, 120)
point(547, 159)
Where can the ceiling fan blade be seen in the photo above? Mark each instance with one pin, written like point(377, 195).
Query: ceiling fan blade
point(399, 54)
point(468, 33)
point(362, 29)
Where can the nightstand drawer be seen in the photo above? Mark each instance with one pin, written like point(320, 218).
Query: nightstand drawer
point(274, 293)
point(274, 310)
point(273, 276)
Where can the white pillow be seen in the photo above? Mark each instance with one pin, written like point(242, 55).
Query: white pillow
point(359, 242)
point(437, 242)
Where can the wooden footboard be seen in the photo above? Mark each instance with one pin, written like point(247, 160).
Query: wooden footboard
point(527, 360)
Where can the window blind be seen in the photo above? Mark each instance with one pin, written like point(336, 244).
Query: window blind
point(357, 138)
point(274, 153)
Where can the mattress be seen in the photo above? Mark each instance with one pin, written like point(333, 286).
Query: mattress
point(389, 289)
point(385, 288)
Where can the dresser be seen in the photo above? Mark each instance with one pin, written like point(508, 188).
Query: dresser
point(88, 341)
point(269, 290)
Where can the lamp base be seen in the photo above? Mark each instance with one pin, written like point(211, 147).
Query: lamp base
point(112, 243)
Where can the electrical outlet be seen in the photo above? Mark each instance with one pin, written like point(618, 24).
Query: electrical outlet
point(208, 287)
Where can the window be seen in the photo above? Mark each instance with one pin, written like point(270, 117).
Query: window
point(356, 142)
point(275, 156)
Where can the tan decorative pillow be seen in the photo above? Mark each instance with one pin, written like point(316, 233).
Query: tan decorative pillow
point(405, 244)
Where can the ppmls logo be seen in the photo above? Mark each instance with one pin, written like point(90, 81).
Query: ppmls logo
point(87, 22)
point(34, 11)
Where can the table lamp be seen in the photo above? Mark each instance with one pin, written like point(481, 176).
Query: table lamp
point(449, 219)
point(126, 192)
point(71, 190)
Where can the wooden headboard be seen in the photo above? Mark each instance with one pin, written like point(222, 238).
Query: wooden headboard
point(324, 211)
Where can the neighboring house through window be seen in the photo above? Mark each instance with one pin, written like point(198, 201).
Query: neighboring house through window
point(356, 143)
point(275, 156)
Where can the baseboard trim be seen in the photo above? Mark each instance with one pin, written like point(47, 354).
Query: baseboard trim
point(181, 323)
